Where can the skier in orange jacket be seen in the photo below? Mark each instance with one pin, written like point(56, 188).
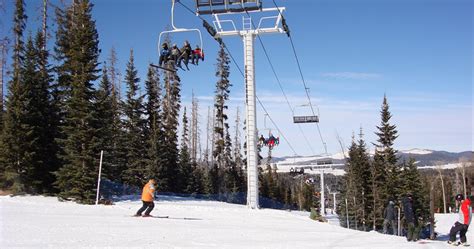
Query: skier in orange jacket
point(148, 195)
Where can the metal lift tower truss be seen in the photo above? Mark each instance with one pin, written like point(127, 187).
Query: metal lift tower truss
point(248, 34)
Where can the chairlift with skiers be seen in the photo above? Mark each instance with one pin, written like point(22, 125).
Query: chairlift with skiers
point(170, 56)
point(271, 141)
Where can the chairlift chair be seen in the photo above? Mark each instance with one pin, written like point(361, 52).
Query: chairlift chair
point(176, 30)
point(305, 118)
point(324, 161)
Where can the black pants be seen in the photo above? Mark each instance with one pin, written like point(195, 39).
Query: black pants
point(163, 59)
point(184, 57)
point(458, 227)
point(195, 59)
point(148, 205)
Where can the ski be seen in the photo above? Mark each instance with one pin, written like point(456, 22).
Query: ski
point(160, 217)
point(164, 68)
point(151, 216)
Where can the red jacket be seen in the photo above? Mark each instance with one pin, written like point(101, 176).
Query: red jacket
point(465, 212)
point(199, 52)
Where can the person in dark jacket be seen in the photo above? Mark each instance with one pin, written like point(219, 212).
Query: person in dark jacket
point(389, 218)
point(174, 53)
point(186, 52)
point(410, 218)
point(165, 53)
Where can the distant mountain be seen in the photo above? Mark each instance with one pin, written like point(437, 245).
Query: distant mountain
point(435, 157)
point(423, 157)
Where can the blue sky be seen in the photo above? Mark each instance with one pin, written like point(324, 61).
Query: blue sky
point(418, 52)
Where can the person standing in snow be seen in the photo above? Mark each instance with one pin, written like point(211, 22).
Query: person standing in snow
point(465, 217)
point(410, 219)
point(389, 218)
point(148, 195)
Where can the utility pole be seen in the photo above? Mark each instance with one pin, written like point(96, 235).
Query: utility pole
point(2, 64)
point(248, 34)
point(323, 207)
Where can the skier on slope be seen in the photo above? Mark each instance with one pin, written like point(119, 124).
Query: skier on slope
point(148, 195)
point(461, 226)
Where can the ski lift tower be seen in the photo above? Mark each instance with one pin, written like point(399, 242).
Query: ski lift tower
point(221, 10)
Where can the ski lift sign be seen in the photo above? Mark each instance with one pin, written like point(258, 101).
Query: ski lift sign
point(305, 119)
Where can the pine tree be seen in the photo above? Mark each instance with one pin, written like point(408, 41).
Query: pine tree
point(363, 176)
point(106, 120)
point(134, 124)
point(222, 143)
point(171, 105)
point(413, 183)
point(4, 44)
point(38, 110)
point(349, 189)
point(77, 72)
point(118, 152)
point(154, 123)
point(222, 95)
point(196, 184)
point(185, 169)
point(385, 171)
point(12, 152)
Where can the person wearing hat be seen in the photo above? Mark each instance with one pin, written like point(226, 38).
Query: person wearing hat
point(175, 53)
point(186, 53)
point(461, 226)
point(197, 54)
point(148, 195)
point(165, 53)
point(410, 219)
point(389, 218)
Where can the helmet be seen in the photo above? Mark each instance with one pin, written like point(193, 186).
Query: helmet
point(459, 197)
point(174, 45)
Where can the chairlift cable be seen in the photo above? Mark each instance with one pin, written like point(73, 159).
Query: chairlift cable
point(243, 75)
point(302, 79)
point(279, 83)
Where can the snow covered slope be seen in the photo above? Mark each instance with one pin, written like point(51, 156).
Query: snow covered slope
point(40, 222)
